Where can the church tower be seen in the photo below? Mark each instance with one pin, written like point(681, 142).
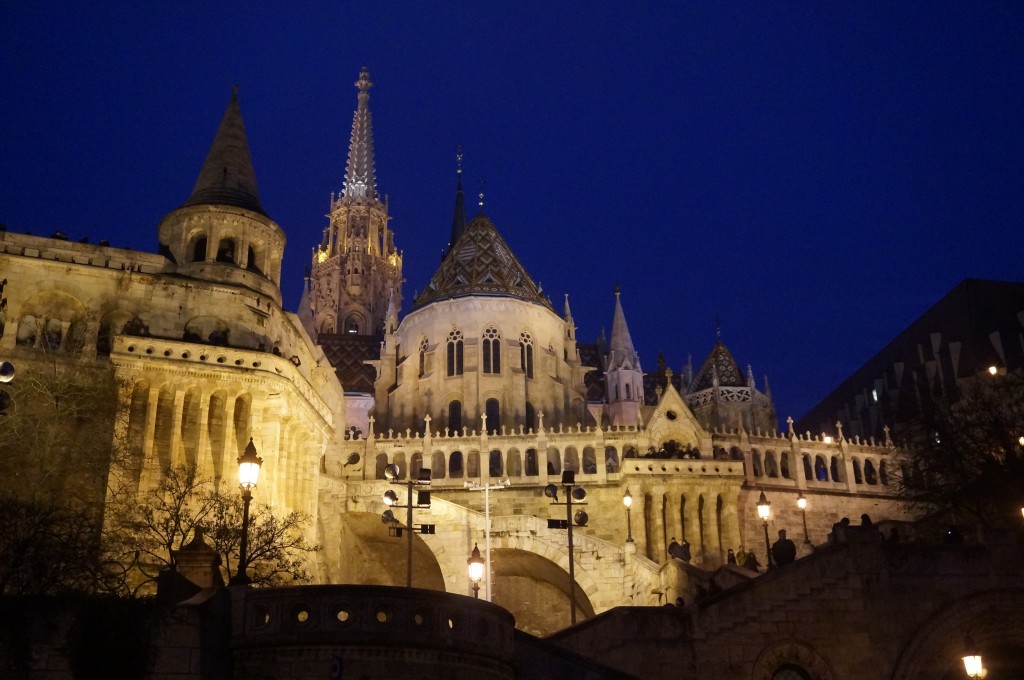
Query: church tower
point(356, 272)
point(624, 379)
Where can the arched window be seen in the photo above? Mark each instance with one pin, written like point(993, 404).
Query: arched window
point(454, 417)
point(820, 469)
point(455, 352)
point(869, 472)
point(755, 461)
point(611, 459)
point(883, 473)
point(437, 464)
point(352, 325)
point(589, 460)
point(423, 356)
point(531, 462)
point(857, 477)
point(455, 464)
point(492, 350)
point(199, 250)
point(492, 409)
point(808, 474)
point(250, 261)
point(784, 465)
point(629, 392)
point(226, 251)
point(526, 353)
point(415, 464)
point(531, 417)
point(494, 466)
point(836, 476)
point(770, 468)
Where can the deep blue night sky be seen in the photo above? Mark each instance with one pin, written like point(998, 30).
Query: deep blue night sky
point(815, 175)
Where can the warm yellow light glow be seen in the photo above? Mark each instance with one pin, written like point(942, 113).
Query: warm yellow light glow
point(972, 664)
point(249, 467)
point(390, 497)
point(828, 439)
point(476, 565)
point(1021, 441)
point(992, 370)
point(763, 507)
point(321, 256)
point(801, 502)
point(627, 500)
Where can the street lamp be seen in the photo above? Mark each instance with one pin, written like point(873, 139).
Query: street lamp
point(972, 659)
point(627, 500)
point(390, 498)
point(248, 473)
point(763, 511)
point(580, 518)
point(487, 488)
point(476, 570)
point(801, 503)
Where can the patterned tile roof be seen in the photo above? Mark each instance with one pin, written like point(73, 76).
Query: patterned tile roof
point(347, 352)
point(719, 361)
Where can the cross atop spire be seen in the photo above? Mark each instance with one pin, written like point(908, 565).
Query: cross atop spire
point(361, 172)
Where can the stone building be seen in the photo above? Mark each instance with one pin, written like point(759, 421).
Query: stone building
point(482, 383)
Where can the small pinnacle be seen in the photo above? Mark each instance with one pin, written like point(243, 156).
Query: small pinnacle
point(234, 91)
point(458, 159)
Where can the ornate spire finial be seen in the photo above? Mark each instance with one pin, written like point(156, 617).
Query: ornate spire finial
point(458, 159)
point(361, 173)
point(364, 82)
point(618, 289)
point(718, 328)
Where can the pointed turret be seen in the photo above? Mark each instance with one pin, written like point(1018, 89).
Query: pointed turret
point(459, 217)
point(391, 316)
point(361, 172)
point(621, 353)
point(227, 177)
point(623, 376)
point(221, 233)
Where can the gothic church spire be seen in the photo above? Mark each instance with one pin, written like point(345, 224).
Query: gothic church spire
point(361, 173)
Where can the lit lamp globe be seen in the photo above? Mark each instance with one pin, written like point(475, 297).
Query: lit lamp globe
point(249, 467)
point(972, 659)
point(476, 569)
point(627, 500)
point(764, 507)
point(801, 502)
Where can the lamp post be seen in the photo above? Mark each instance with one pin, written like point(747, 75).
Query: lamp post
point(476, 570)
point(627, 500)
point(801, 503)
point(487, 488)
point(580, 518)
point(390, 498)
point(248, 473)
point(764, 511)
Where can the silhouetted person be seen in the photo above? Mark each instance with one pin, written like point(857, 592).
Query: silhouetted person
point(865, 521)
point(730, 557)
point(673, 548)
point(838, 533)
point(751, 562)
point(783, 550)
point(894, 536)
point(684, 551)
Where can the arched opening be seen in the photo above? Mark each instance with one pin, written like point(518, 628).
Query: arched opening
point(531, 463)
point(770, 468)
point(491, 350)
point(755, 461)
point(784, 465)
point(494, 464)
point(572, 459)
point(251, 263)
point(454, 417)
point(437, 465)
point(514, 463)
point(835, 469)
point(589, 460)
point(820, 469)
point(523, 578)
point(352, 325)
point(554, 461)
point(381, 463)
point(455, 465)
point(869, 472)
point(611, 459)
point(402, 468)
point(226, 251)
point(493, 412)
point(473, 464)
point(857, 477)
point(808, 472)
point(199, 250)
point(883, 473)
point(415, 465)
point(526, 354)
point(454, 353)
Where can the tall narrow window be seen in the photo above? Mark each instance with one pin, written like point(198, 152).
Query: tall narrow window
point(493, 416)
point(531, 417)
point(423, 356)
point(526, 353)
point(455, 352)
point(492, 350)
point(454, 417)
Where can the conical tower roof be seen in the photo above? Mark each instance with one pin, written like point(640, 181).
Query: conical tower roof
point(459, 216)
point(621, 353)
point(361, 172)
point(721, 364)
point(480, 263)
point(227, 177)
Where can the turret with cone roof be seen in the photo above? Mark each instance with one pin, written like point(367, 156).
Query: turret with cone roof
point(221, 232)
point(721, 396)
point(356, 270)
point(624, 379)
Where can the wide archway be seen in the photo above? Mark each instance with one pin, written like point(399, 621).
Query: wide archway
point(369, 555)
point(536, 591)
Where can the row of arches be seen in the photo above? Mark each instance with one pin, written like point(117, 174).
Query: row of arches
point(490, 353)
point(820, 468)
point(228, 250)
point(511, 463)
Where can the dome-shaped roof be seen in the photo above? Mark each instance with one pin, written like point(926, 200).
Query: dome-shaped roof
point(720, 364)
point(480, 263)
